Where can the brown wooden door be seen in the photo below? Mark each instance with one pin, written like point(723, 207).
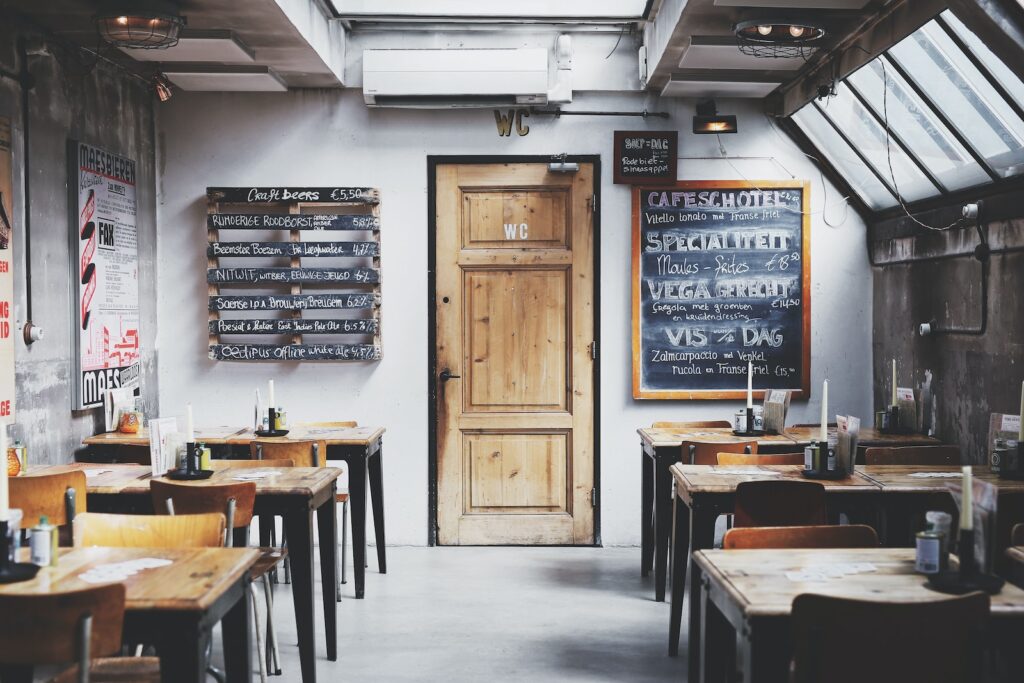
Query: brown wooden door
point(515, 323)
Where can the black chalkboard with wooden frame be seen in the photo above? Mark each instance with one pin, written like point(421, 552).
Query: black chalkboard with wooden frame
point(645, 157)
point(721, 276)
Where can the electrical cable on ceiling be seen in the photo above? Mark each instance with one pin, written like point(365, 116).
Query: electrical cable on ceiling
point(617, 41)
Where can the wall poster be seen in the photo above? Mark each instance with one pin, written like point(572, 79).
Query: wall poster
point(6, 275)
point(721, 277)
point(105, 270)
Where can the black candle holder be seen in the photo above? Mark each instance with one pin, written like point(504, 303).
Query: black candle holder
point(190, 468)
point(272, 429)
point(750, 431)
point(12, 572)
point(1011, 461)
point(965, 578)
point(892, 421)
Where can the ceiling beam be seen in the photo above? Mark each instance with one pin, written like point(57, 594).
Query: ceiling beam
point(999, 24)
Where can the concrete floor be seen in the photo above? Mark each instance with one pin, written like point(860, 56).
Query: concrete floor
point(494, 614)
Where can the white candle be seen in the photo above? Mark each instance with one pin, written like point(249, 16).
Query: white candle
point(270, 394)
point(893, 382)
point(824, 414)
point(1020, 435)
point(4, 501)
point(190, 432)
point(750, 384)
point(967, 502)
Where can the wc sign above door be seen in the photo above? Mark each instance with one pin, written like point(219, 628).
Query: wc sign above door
point(513, 118)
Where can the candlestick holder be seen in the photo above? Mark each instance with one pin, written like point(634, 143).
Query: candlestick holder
point(891, 421)
point(12, 572)
point(746, 422)
point(965, 578)
point(272, 429)
point(1008, 460)
point(190, 469)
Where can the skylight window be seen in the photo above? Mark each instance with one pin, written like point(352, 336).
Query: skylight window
point(474, 9)
point(937, 113)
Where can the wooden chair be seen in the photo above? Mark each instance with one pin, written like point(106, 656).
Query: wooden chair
point(1017, 535)
point(698, 424)
point(83, 626)
point(706, 453)
point(829, 536)
point(939, 641)
point(149, 531)
point(760, 459)
point(236, 500)
point(913, 455)
point(780, 503)
point(58, 496)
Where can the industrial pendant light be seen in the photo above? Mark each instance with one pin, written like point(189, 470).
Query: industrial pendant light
point(778, 37)
point(141, 24)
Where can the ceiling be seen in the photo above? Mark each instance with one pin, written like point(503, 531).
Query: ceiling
point(237, 35)
point(692, 51)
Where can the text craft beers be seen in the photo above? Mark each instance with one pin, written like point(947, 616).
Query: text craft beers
point(720, 285)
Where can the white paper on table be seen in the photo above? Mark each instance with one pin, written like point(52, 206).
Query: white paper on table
point(830, 570)
point(95, 472)
point(935, 475)
point(119, 571)
point(749, 471)
point(259, 474)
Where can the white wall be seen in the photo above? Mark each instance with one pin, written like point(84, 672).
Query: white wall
point(330, 138)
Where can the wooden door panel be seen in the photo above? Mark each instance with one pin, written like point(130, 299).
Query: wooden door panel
point(516, 473)
point(516, 353)
point(515, 320)
point(515, 219)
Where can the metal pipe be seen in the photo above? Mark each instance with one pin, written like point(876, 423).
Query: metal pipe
point(27, 82)
point(558, 113)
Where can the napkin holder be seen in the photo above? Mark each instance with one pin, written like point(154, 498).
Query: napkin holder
point(12, 572)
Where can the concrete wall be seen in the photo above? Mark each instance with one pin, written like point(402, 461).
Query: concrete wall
point(330, 138)
point(969, 376)
point(103, 107)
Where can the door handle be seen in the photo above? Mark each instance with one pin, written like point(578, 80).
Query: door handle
point(447, 375)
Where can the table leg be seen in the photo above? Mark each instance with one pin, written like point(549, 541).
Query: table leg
point(719, 656)
point(237, 634)
point(375, 468)
point(327, 523)
point(702, 537)
point(765, 650)
point(646, 513)
point(662, 524)
point(182, 653)
point(16, 673)
point(680, 555)
point(299, 527)
point(357, 501)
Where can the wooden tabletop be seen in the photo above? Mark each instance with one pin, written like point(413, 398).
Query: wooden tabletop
point(797, 436)
point(193, 581)
point(235, 436)
point(756, 580)
point(898, 479)
point(724, 478)
point(134, 479)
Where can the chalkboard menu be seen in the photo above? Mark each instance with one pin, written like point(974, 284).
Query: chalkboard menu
point(721, 276)
point(319, 292)
point(645, 157)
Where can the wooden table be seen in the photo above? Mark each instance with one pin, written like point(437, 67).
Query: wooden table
point(748, 591)
point(360, 447)
point(703, 492)
point(660, 448)
point(905, 496)
point(294, 494)
point(174, 607)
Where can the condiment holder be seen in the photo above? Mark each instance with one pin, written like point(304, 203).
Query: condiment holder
point(191, 470)
point(277, 420)
point(1007, 459)
point(744, 419)
point(12, 572)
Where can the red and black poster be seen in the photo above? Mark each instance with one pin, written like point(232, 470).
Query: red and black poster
point(6, 275)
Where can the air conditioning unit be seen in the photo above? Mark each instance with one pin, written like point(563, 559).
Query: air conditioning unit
point(451, 78)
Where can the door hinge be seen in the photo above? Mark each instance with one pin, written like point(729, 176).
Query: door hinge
point(593, 203)
point(593, 498)
point(593, 350)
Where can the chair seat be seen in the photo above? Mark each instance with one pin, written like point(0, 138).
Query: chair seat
point(269, 558)
point(341, 497)
point(116, 670)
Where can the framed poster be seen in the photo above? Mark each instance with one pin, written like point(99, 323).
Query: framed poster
point(645, 157)
point(721, 276)
point(105, 270)
point(6, 275)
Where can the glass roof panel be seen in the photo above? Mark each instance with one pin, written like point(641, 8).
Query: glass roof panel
point(917, 126)
point(843, 158)
point(1006, 78)
point(882, 152)
point(467, 9)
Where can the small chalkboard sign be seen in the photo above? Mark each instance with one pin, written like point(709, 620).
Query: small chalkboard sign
point(291, 221)
point(291, 302)
point(292, 249)
point(293, 195)
point(295, 326)
point(721, 277)
point(299, 352)
point(645, 157)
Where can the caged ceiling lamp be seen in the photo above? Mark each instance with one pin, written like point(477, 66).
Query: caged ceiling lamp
point(139, 24)
point(778, 38)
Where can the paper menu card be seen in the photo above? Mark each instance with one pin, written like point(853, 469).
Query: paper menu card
point(163, 441)
point(116, 401)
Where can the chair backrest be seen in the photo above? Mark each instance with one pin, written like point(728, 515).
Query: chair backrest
point(1017, 535)
point(48, 628)
point(829, 536)
point(196, 499)
point(59, 496)
point(913, 455)
point(336, 424)
point(697, 424)
point(224, 464)
point(779, 503)
point(307, 453)
point(760, 459)
point(149, 531)
point(939, 641)
point(706, 452)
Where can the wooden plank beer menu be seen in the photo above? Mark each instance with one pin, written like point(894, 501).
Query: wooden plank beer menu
point(721, 277)
point(294, 273)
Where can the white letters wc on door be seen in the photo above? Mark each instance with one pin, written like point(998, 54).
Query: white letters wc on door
point(514, 232)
